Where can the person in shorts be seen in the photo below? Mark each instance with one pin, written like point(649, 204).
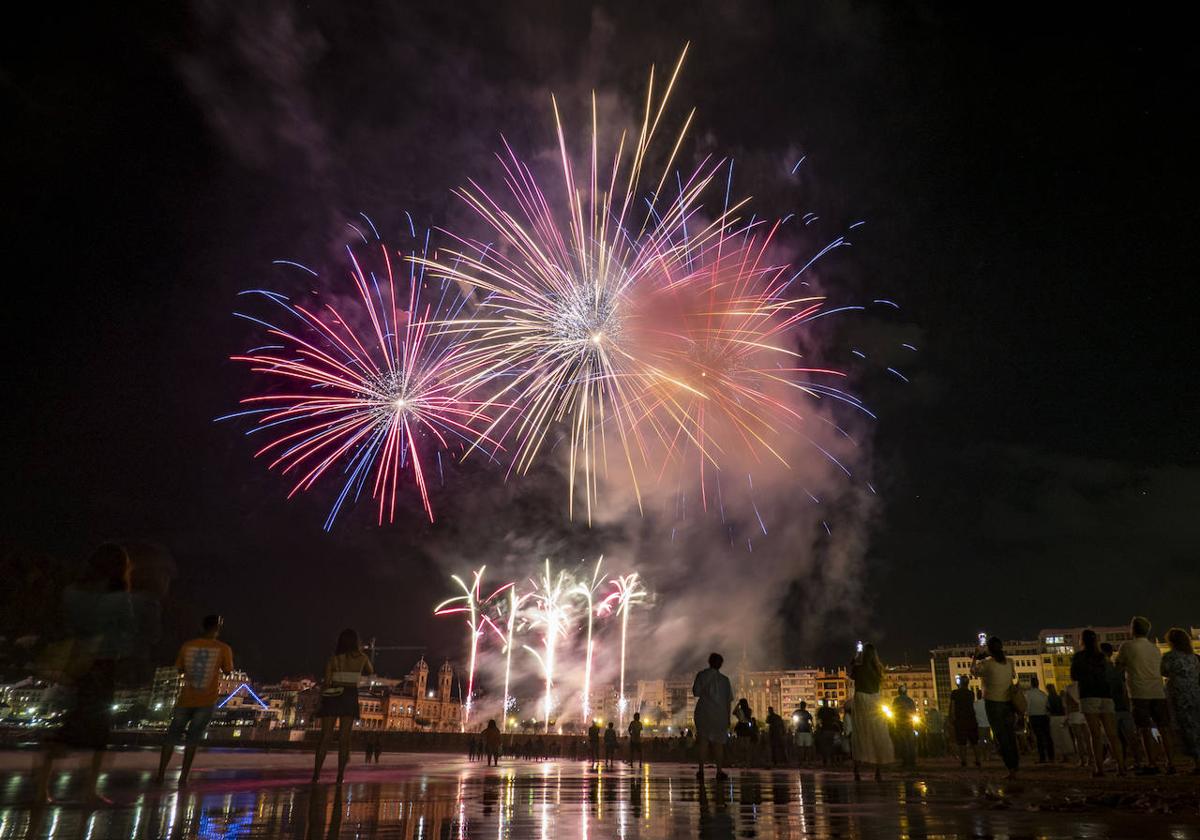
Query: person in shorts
point(1141, 662)
point(803, 734)
point(201, 661)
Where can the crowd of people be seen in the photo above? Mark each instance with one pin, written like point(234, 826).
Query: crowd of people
point(1135, 708)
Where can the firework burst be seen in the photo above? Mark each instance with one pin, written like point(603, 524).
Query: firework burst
point(561, 316)
point(368, 391)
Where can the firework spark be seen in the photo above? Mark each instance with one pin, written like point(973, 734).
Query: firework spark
point(472, 603)
point(627, 591)
point(551, 613)
point(369, 392)
point(562, 311)
point(587, 590)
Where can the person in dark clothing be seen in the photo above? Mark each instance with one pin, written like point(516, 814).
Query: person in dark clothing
point(1126, 728)
point(610, 745)
point(776, 732)
point(594, 745)
point(906, 736)
point(829, 727)
point(962, 721)
point(1089, 669)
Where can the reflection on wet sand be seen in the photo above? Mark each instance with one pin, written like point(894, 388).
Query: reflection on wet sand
point(443, 798)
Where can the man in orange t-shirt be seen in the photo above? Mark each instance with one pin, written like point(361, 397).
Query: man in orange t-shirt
point(201, 661)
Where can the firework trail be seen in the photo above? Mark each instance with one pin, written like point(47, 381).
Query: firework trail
point(551, 613)
point(472, 604)
point(369, 392)
point(588, 590)
point(559, 314)
point(627, 591)
point(514, 608)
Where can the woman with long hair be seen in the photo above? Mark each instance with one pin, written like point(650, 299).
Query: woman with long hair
point(339, 698)
point(745, 730)
point(870, 740)
point(1089, 669)
point(998, 675)
point(1181, 667)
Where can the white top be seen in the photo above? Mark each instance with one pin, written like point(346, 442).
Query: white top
point(1038, 702)
point(981, 713)
point(996, 678)
point(1141, 661)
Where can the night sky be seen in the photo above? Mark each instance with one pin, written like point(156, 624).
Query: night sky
point(1030, 190)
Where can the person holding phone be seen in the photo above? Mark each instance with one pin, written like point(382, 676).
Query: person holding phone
point(339, 699)
point(870, 740)
point(998, 675)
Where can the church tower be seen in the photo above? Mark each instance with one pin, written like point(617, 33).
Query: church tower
point(445, 677)
point(422, 672)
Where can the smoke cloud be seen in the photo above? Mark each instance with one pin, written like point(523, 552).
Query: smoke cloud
point(387, 115)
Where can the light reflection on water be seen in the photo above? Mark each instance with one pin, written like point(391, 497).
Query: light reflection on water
point(445, 798)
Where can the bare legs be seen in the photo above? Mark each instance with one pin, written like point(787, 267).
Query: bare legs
point(1102, 726)
point(703, 746)
point(345, 725)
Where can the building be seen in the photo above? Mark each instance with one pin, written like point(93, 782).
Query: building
point(916, 679)
point(665, 702)
point(1070, 639)
point(796, 686)
point(833, 686)
point(950, 662)
point(164, 689)
point(761, 689)
point(29, 699)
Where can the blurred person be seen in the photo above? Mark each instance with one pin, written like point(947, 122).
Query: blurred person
point(776, 735)
point(1060, 735)
point(1081, 738)
point(829, 732)
point(714, 696)
point(963, 722)
point(935, 732)
point(594, 745)
point(745, 730)
point(1126, 728)
point(1141, 662)
point(201, 661)
point(610, 745)
point(491, 744)
point(803, 735)
point(981, 719)
point(871, 742)
point(1037, 703)
point(998, 676)
point(1089, 670)
point(101, 624)
point(905, 711)
point(1181, 667)
point(339, 699)
point(635, 740)
point(842, 740)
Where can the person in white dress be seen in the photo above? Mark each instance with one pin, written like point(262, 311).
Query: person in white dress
point(870, 740)
point(714, 696)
